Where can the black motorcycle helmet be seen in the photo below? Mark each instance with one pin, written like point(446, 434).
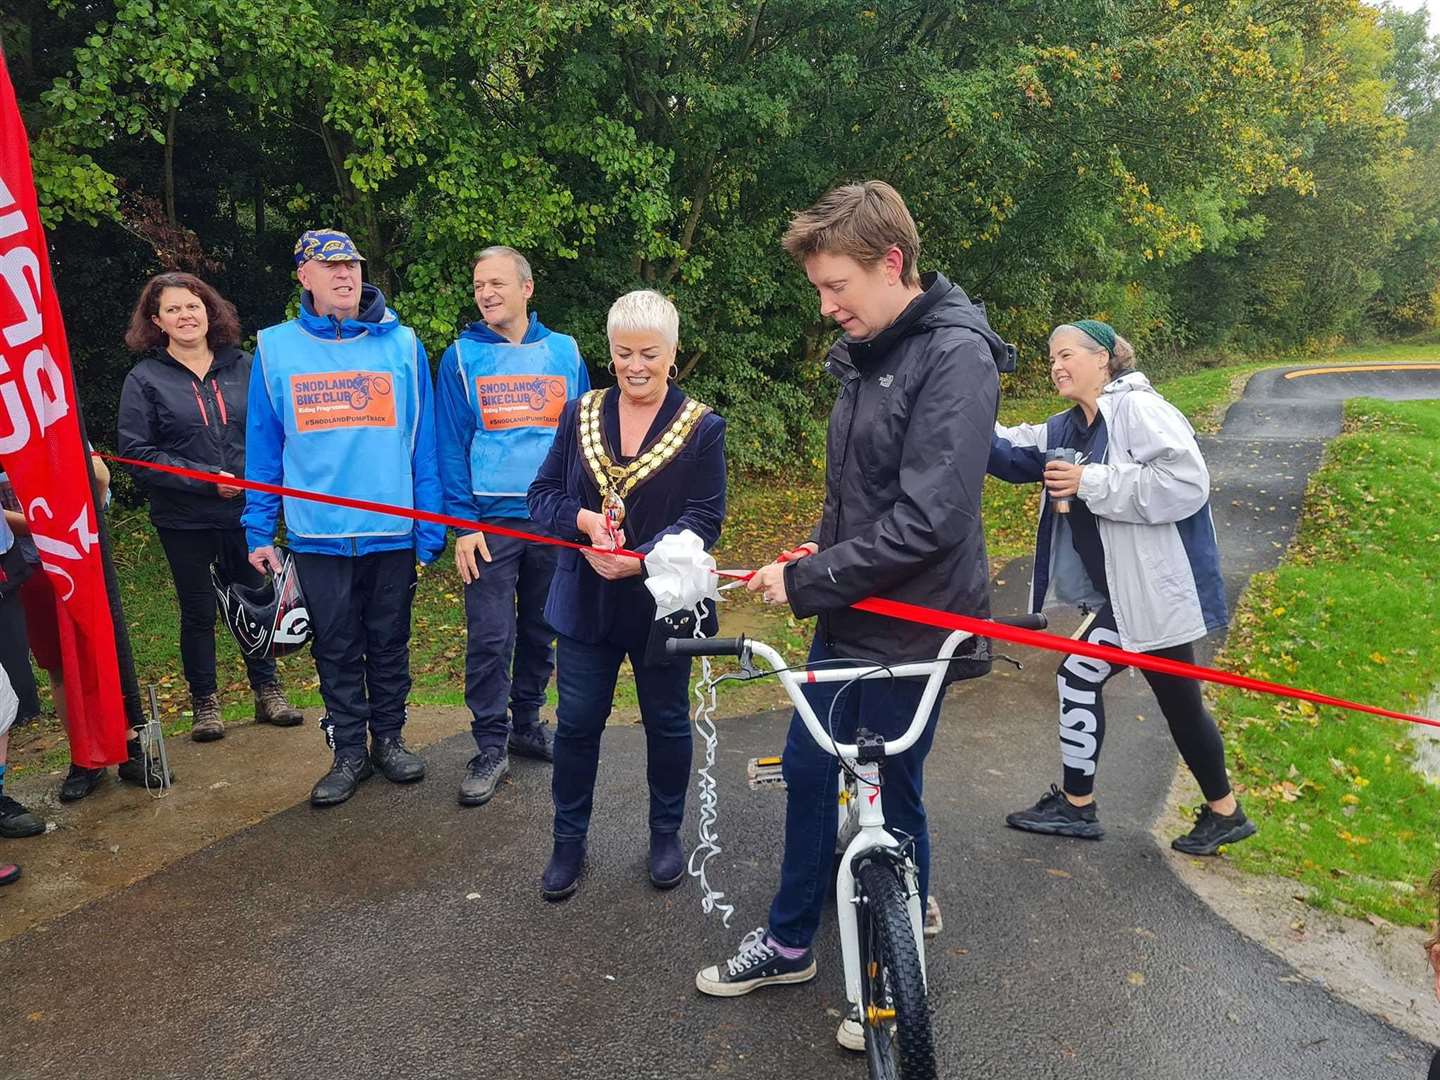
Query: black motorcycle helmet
point(268, 620)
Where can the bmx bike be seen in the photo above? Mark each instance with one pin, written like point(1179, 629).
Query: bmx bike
point(877, 892)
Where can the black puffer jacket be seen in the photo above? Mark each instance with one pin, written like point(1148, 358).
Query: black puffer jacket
point(169, 416)
point(905, 461)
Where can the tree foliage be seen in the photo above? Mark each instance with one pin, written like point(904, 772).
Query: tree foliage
point(1128, 159)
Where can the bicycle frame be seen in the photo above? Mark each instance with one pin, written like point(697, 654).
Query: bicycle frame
point(872, 835)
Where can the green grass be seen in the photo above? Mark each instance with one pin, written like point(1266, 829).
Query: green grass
point(1351, 614)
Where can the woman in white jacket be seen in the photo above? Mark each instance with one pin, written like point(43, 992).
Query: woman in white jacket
point(1125, 535)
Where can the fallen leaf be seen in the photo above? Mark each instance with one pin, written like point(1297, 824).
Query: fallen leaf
point(1135, 978)
point(1057, 873)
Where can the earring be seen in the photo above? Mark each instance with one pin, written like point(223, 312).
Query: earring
point(674, 372)
point(610, 368)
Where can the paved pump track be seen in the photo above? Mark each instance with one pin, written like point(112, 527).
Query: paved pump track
point(400, 936)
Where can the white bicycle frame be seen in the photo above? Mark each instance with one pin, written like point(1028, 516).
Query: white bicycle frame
point(871, 812)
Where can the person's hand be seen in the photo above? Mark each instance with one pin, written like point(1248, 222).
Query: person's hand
point(804, 550)
point(1062, 479)
point(228, 491)
point(265, 559)
point(597, 532)
point(769, 581)
point(614, 567)
point(466, 548)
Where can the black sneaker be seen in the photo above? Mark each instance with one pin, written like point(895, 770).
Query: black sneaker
point(395, 761)
point(80, 782)
point(9, 873)
point(1213, 830)
point(482, 776)
point(754, 966)
point(1055, 815)
point(535, 740)
point(350, 768)
point(16, 821)
point(133, 769)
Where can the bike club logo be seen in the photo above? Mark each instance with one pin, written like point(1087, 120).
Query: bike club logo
point(342, 399)
point(511, 401)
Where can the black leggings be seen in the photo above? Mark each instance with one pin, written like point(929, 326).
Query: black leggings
point(1081, 681)
point(191, 551)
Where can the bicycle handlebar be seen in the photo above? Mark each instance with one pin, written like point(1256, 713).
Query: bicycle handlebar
point(1035, 621)
point(717, 646)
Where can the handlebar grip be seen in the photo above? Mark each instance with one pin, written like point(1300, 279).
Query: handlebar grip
point(1036, 621)
point(717, 646)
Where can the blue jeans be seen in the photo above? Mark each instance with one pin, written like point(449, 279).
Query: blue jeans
point(505, 632)
point(586, 681)
point(886, 707)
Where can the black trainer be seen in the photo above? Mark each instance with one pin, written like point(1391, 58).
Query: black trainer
point(398, 764)
point(350, 769)
point(133, 771)
point(1213, 830)
point(757, 964)
point(16, 821)
point(483, 775)
point(80, 782)
point(535, 740)
point(1055, 815)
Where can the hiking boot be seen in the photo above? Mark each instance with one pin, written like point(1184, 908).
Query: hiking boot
point(851, 1032)
point(206, 726)
point(80, 782)
point(667, 860)
point(9, 873)
point(132, 770)
point(398, 764)
point(757, 964)
point(535, 740)
point(16, 821)
point(1214, 830)
point(483, 775)
point(562, 873)
point(933, 922)
point(1055, 815)
point(272, 708)
point(350, 769)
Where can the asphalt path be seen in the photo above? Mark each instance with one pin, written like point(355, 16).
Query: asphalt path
point(402, 936)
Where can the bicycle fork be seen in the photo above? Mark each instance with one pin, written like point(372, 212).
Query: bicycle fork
point(872, 835)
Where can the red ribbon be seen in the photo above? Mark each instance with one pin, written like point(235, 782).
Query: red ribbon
point(895, 609)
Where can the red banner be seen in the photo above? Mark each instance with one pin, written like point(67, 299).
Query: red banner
point(42, 451)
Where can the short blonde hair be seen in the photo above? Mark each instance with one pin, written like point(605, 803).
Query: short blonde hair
point(645, 309)
point(863, 221)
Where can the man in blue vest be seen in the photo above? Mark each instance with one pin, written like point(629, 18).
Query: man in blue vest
point(501, 389)
point(340, 403)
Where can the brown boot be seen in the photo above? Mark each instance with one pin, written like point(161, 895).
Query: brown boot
point(207, 726)
point(272, 708)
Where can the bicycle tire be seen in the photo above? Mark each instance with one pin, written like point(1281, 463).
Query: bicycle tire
point(891, 977)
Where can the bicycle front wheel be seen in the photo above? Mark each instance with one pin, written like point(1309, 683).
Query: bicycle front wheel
point(894, 1012)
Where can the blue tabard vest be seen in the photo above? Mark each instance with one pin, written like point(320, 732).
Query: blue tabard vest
point(351, 408)
point(517, 393)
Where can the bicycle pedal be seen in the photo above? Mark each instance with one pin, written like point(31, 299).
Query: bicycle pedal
point(764, 772)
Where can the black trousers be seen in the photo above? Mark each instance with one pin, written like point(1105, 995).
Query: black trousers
point(360, 613)
point(15, 656)
point(191, 551)
point(1081, 682)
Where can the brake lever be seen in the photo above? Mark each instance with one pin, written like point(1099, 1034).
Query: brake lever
point(1009, 660)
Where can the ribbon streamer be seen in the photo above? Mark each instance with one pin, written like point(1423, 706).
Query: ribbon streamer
point(942, 620)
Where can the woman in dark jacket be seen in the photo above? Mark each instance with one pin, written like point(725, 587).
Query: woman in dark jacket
point(655, 460)
point(184, 404)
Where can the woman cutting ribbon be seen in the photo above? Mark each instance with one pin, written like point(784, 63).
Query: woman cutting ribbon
point(629, 465)
point(1125, 535)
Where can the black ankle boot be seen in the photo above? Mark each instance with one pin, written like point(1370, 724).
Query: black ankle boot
point(562, 875)
point(667, 860)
